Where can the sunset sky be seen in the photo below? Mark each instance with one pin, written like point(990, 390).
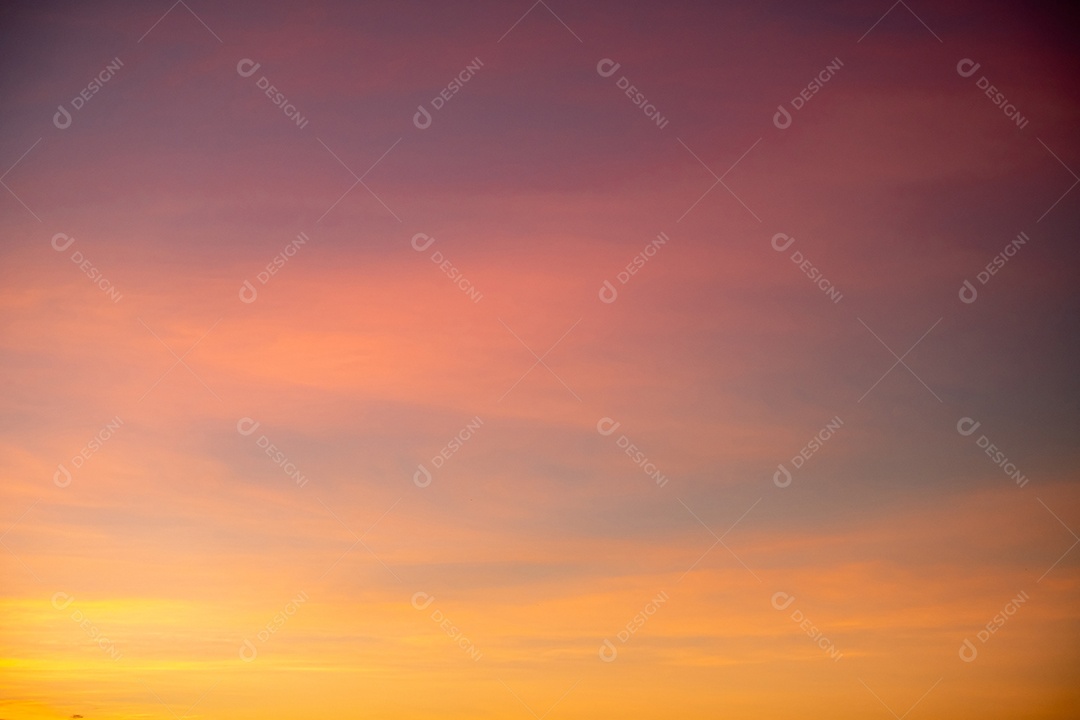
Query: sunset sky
point(417, 360)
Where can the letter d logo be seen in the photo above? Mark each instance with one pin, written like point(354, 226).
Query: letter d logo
point(968, 293)
point(62, 118)
point(610, 425)
point(246, 426)
point(782, 600)
point(248, 293)
point(966, 68)
point(782, 477)
point(62, 477)
point(968, 651)
point(610, 65)
point(248, 63)
point(608, 293)
point(782, 118)
point(61, 600)
point(965, 426)
point(781, 237)
point(421, 237)
point(422, 118)
point(65, 246)
point(422, 478)
point(608, 652)
point(248, 651)
point(419, 602)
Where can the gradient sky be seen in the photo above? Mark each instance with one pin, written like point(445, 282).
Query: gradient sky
point(137, 584)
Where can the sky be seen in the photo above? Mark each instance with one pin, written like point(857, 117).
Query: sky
point(417, 360)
